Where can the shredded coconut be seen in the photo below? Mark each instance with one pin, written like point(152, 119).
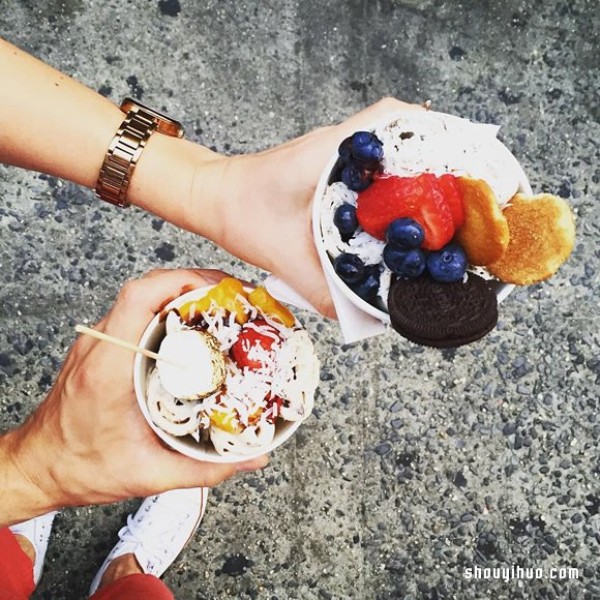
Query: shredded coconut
point(362, 244)
point(287, 370)
point(385, 280)
point(482, 272)
point(437, 143)
point(222, 326)
point(424, 142)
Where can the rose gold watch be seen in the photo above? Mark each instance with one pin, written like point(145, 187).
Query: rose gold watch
point(127, 147)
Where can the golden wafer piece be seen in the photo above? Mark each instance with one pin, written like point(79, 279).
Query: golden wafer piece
point(542, 235)
point(484, 233)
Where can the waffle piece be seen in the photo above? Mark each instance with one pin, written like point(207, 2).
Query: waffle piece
point(484, 233)
point(542, 235)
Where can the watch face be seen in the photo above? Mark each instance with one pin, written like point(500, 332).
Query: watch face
point(164, 124)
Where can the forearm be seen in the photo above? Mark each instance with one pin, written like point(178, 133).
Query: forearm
point(21, 496)
point(53, 124)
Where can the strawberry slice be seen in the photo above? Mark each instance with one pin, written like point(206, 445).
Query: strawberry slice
point(453, 198)
point(419, 198)
point(275, 402)
point(254, 345)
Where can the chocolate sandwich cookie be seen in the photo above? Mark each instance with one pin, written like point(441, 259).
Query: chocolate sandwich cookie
point(442, 315)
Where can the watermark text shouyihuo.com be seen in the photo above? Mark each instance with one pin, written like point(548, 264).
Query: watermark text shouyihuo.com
point(515, 572)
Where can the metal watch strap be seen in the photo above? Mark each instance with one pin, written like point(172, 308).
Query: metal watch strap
point(122, 156)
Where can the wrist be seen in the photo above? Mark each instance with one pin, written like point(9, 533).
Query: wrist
point(24, 481)
point(176, 180)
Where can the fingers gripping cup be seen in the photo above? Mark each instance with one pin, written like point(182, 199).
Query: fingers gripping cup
point(235, 377)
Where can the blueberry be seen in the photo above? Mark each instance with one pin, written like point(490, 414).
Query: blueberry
point(448, 264)
point(344, 218)
point(345, 150)
point(376, 269)
point(356, 177)
point(406, 233)
point(366, 148)
point(404, 262)
point(367, 289)
point(350, 268)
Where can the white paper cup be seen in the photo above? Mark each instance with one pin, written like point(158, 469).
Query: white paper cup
point(187, 445)
point(502, 289)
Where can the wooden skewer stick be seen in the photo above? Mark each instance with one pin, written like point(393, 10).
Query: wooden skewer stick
point(117, 342)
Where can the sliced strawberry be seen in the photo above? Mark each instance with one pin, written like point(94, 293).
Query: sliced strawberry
point(435, 216)
point(453, 198)
point(275, 402)
point(386, 199)
point(254, 345)
point(419, 198)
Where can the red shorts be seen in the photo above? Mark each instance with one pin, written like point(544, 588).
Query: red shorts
point(16, 578)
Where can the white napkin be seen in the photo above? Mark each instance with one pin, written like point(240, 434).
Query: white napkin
point(355, 324)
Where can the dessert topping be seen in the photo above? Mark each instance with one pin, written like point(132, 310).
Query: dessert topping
point(420, 198)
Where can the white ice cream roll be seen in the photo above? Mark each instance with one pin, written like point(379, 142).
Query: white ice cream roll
point(296, 376)
point(173, 416)
point(190, 365)
point(249, 441)
point(431, 142)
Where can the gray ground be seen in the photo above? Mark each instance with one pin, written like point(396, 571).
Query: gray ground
point(417, 463)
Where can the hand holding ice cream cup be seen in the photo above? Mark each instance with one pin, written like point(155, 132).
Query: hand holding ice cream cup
point(235, 377)
point(427, 221)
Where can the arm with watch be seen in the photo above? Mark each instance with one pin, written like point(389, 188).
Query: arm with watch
point(255, 206)
point(133, 155)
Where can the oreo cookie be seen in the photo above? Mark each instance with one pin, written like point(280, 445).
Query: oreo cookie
point(443, 315)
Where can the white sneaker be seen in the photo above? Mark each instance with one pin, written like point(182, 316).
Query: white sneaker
point(158, 531)
point(37, 531)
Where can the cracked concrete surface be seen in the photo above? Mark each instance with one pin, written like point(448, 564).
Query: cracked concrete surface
point(417, 463)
